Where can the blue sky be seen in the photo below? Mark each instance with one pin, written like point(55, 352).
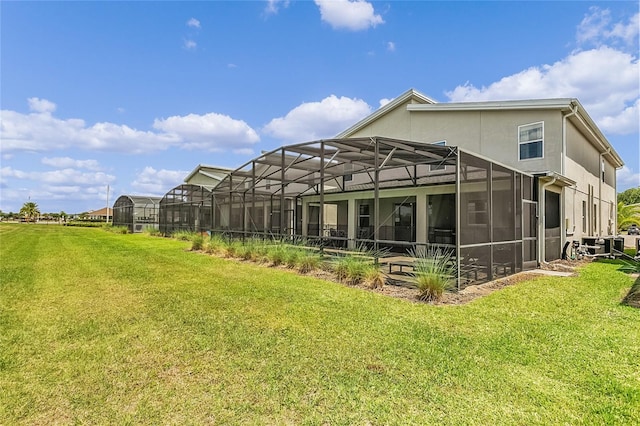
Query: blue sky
point(134, 95)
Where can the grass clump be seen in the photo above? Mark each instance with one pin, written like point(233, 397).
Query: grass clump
point(434, 273)
point(152, 232)
point(215, 245)
point(277, 254)
point(350, 269)
point(308, 262)
point(374, 277)
point(182, 235)
point(197, 242)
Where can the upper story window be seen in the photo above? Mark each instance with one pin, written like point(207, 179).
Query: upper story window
point(531, 140)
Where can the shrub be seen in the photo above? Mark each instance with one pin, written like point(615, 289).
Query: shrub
point(197, 242)
point(351, 269)
point(374, 277)
point(340, 268)
point(183, 235)
point(234, 249)
point(215, 245)
point(434, 273)
point(247, 251)
point(308, 262)
point(152, 232)
point(277, 254)
point(293, 257)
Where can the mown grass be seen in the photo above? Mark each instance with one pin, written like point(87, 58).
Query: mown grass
point(104, 328)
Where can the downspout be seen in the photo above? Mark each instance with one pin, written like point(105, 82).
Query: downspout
point(600, 178)
point(541, 213)
point(574, 111)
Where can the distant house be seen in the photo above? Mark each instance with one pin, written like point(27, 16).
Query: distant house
point(136, 212)
point(100, 214)
point(187, 207)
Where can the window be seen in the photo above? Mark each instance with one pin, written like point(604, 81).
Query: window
point(438, 167)
point(531, 141)
point(363, 216)
point(348, 167)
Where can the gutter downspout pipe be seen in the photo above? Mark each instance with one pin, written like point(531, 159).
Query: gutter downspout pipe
point(563, 171)
point(600, 179)
point(541, 228)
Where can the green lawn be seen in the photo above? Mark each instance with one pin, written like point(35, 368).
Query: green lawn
point(102, 328)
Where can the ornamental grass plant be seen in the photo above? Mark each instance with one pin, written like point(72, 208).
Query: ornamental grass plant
point(434, 273)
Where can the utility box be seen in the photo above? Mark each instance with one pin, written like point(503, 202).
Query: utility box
point(618, 244)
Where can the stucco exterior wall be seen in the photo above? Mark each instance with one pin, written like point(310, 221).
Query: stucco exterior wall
point(589, 204)
point(493, 134)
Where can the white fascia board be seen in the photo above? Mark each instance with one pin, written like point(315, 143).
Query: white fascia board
point(560, 103)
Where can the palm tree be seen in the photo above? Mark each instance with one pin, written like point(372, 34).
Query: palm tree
point(627, 215)
point(30, 211)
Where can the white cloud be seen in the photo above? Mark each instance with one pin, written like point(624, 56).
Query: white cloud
point(317, 120)
point(627, 178)
point(44, 132)
point(209, 131)
point(354, 15)
point(384, 101)
point(190, 45)
point(596, 29)
point(157, 182)
point(66, 162)
point(274, 6)
point(193, 23)
point(586, 75)
point(63, 177)
point(243, 151)
point(391, 46)
point(41, 105)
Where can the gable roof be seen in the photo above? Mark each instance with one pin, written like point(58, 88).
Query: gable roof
point(410, 96)
point(101, 212)
point(213, 173)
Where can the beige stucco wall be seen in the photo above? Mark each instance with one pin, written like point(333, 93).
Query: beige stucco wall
point(583, 165)
point(600, 199)
point(493, 134)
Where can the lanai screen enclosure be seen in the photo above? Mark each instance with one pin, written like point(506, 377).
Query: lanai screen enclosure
point(136, 212)
point(186, 208)
point(391, 193)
